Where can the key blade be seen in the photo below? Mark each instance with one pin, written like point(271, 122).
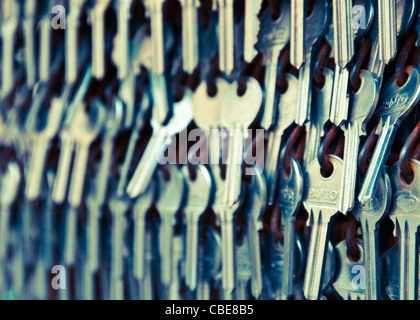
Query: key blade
point(340, 97)
point(387, 30)
point(189, 35)
point(298, 32)
point(252, 25)
point(343, 32)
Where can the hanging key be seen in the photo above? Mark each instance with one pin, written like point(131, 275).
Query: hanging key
point(123, 31)
point(395, 103)
point(298, 32)
point(168, 203)
point(198, 198)
point(252, 27)
point(189, 34)
point(322, 201)
point(30, 10)
point(370, 216)
point(226, 36)
point(160, 140)
point(289, 197)
point(9, 11)
point(387, 30)
point(274, 35)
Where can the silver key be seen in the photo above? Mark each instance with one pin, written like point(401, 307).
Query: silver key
point(158, 144)
point(168, 203)
point(30, 9)
point(387, 35)
point(370, 215)
point(289, 197)
point(243, 268)
point(252, 27)
point(9, 23)
point(319, 116)
point(123, 14)
point(154, 10)
point(189, 34)
point(45, 43)
point(404, 214)
point(207, 114)
point(274, 35)
point(72, 30)
point(226, 36)
point(298, 32)
point(238, 112)
point(395, 103)
point(198, 198)
point(322, 201)
point(97, 16)
point(360, 112)
point(10, 182)
point(140, 210)
point(177, 274)
point(286, 117)
point(255, 205)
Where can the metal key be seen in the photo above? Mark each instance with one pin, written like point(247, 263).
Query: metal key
point(226, 36)
point(189, 34)
point(10, 182)
point(45, 41)
point(238, 112)
point(360, 112)
point(343, 49)
point(158, 144)
point(255, 205)
point(404, 214)
point(154, 10)
point(370, 216)
point(298, 32)
point(30, 9)
point(251, 27)
point(387, 35)
point(322, 201)
point(168, 203)
point(207, 114)
point(287, 101)
point(274, 35)
point(243, 268)
point(319, 116)
point(289, 197)
point(123, 30)
point(198, 198)
point(318, 20)
point(97, 16)
point(72, 30)
point(395, 103)
point(140, 210)
point(9, 11)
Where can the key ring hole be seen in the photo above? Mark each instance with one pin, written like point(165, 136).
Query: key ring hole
point(321, 60)
point(281, 82)
point(360, 60)
point(400, 71)
point(293, 148)
point(332, 135)
point(353, 251)
point(275, 9)
point(410, 150)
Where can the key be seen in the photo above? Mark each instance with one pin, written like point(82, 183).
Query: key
point(289, 198)
point(168, 203)
point(198, 198)
point(123, 30)
point(346, 283)
point(140, 209)
point(387, 31)
point(319, 116)
point(9, 22)
point(318, 20)
point(274, 35)
point(298, 32)
point(134, 138)
point(251, 27)
point(226, 36)
point(243, 268)
point(395, 103)
point(207, 114)
point(403, 213)
point(322, 201)
point(10, 182)
point(97, 16)
point(343, 49)
point(154, 10)
point(225, 216)
point(40, 147)
point(286, 112)
point(45, 42)
point(255, 205)
point(370, 216)
point(118, 207)
point(189, 34)
point(72, 26)
point(177, 275)
point(30, 9)
point(160, 140)
point(238, 113)
point(360, 112)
